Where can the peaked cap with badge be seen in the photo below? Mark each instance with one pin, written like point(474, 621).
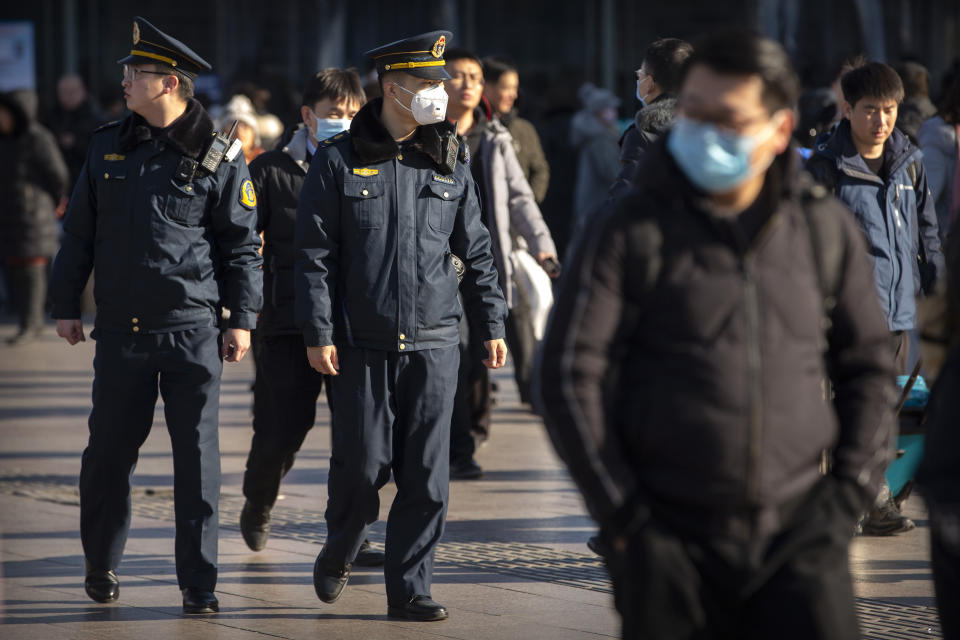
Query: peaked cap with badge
point(152, 45)
point(420, 55)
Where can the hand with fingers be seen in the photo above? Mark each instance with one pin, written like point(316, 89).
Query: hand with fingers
point(496, 353)
point(324, 359)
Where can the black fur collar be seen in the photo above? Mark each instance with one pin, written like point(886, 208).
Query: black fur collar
point(190, 133)
point(373, 143)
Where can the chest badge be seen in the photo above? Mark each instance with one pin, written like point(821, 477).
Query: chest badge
point(113, 157)
point(365, 172)
point(443, 179)
point(248, 197)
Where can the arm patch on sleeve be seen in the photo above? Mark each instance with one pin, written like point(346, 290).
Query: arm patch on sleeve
point(248, 197)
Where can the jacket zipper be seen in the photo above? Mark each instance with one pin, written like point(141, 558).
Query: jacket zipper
point(754, 387)
point(754, 356)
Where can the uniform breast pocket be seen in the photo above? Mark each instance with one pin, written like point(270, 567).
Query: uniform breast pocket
point(183, 206)
point(365, 201)
point(444, 199)
point(111, 193)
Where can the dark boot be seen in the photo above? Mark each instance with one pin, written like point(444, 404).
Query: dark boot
point(329, 578)
point(884, 518)
point(102, 585)
point(255, 525)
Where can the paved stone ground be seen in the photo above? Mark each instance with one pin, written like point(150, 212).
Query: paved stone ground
point(512, 564)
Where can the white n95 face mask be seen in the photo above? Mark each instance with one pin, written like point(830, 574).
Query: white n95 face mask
point(428, 106)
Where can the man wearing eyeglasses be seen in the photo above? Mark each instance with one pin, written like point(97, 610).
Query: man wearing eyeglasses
point(166, 215)
point(683, 371)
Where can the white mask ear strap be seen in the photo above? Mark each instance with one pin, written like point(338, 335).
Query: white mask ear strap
point(402, 88)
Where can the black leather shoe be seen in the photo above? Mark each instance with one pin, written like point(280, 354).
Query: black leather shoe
point(467, 470)
point(255, 525)
point(419, 608)
point(368, 556)
point(329, 579)
point(102, 585)
point(199, 601)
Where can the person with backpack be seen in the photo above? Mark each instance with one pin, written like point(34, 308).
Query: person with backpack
point(682, 373)
point(875, 170)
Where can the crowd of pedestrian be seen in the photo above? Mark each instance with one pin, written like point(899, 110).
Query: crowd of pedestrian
point(741, 269)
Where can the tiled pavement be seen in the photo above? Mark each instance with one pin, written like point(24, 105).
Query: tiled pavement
point(512, 564)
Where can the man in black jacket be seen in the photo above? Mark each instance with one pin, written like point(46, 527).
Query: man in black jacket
point(286, 387)
point(682, 375)
point(658, 80)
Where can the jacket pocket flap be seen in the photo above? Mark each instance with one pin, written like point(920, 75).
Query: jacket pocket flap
point(363, 189)
point(446, 191)
point(183, 189)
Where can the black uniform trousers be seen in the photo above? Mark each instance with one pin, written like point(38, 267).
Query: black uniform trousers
point(685, 584)
point(284, 410)
point(392, 414)
point(185, 367)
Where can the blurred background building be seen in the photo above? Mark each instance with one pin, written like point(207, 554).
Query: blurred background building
point(557, 44)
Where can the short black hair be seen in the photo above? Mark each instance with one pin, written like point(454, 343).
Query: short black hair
point(336, 84)
point(453, 54)
point(664, 60)
point(739, 52)
point(915, 79)
point(185, 86)
point(872, 80)
point(496, 66)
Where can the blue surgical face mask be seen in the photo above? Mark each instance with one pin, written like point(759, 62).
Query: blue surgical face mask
point(643, 102)
point(329, 127)
point(714, 160)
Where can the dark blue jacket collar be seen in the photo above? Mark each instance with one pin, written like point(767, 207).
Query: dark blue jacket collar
point(839, 146)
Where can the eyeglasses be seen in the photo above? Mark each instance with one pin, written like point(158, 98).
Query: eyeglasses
point(466, 80)
point(641, 72)
point(131, 73)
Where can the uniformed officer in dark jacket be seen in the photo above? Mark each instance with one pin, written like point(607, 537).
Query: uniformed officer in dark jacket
point(286, 387)
point(382, 209)
point(167, 218)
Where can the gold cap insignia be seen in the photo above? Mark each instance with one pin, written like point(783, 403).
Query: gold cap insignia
point(439, 46)
point(136, 33)
point(365, 172)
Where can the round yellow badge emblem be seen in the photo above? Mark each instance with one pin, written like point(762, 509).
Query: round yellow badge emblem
point(248, 197)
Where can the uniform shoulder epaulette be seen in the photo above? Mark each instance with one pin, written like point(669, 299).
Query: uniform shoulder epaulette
point(108, 125)
point(340, 137)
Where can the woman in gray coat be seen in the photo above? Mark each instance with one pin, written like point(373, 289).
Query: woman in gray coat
point(35, 178)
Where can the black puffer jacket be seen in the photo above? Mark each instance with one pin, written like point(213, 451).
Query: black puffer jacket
point(683, 362)
point(649, 124)
point(34, 179)
point(278, 176)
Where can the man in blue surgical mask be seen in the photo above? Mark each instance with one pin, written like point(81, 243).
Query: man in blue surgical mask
point(684, 370)
point(286, 387)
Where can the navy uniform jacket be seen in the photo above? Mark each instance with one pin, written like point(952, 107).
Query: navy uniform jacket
point(167, 252)
point(376, 224)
